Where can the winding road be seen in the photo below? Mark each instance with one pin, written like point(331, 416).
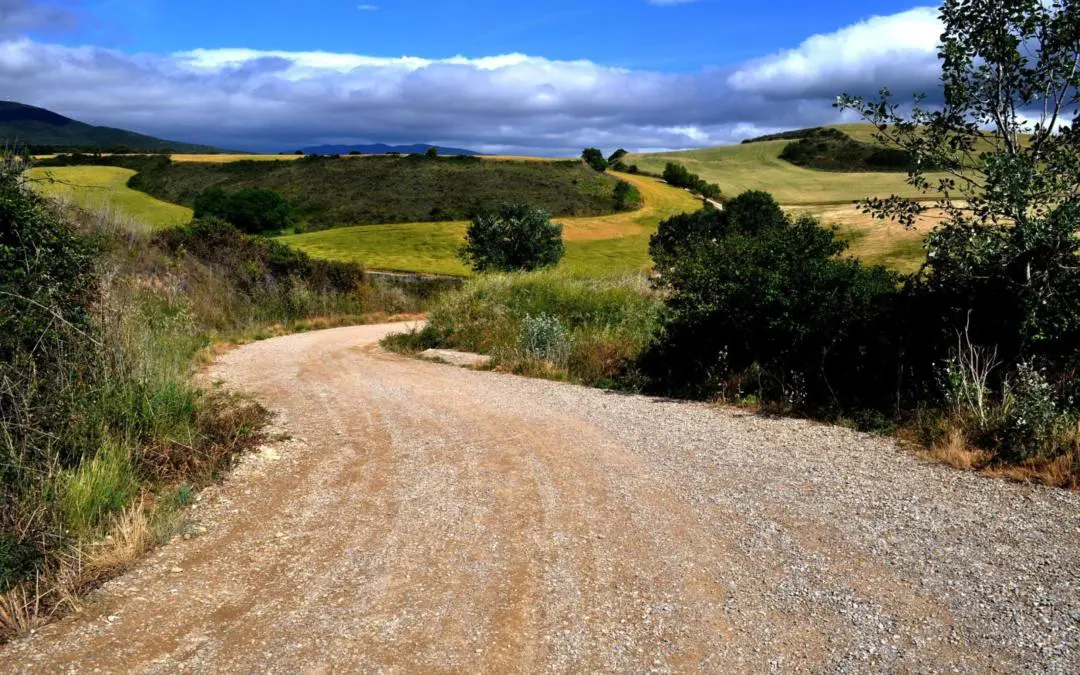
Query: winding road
point(423, 517)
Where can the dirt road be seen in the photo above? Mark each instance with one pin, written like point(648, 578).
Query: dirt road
point(429, 518)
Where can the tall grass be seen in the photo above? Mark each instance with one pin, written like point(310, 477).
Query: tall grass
point(604, 324)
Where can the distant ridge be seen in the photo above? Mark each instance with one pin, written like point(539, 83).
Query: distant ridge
point(383, 149)
point(45, 131)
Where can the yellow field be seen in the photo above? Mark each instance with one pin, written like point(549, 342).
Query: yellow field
point(595, 246)
point(105, 187)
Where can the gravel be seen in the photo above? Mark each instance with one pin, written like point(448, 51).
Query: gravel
point(427, 517)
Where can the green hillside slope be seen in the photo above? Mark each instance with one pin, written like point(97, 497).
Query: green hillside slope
point(332, 192)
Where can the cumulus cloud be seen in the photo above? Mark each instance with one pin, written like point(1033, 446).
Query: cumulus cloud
point(280, 100)
point(900, 49)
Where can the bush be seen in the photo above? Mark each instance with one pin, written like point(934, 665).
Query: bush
point(543, 338)
point(617, 155)
point(678, 175)
point(517, 237)
point(761, 304)
point(626, 196)
point(252, 210)
point(595, 159)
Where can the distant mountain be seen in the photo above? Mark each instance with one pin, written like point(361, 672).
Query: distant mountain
point(382, 149)
point(44, 131)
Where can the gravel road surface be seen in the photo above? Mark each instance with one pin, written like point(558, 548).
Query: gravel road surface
point(429, 518)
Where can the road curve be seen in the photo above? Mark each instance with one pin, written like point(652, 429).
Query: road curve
point(428, 518)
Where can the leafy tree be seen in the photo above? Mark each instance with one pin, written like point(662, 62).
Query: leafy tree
point(517, 237)
point(1002, 266)
point(617, 155)
point(252, 210)
point(594, 158)
point(432, 153)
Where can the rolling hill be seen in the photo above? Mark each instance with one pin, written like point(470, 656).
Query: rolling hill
point(758, 166)
point(333, 192)
point(47, 131)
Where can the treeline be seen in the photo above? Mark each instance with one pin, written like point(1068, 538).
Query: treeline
point(678, 175)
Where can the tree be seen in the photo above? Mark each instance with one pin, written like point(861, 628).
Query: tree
point(617, 155)
point(1002, 266)
point(517, 237)
point(432, 153)
point(252, 210)
point(594, 158)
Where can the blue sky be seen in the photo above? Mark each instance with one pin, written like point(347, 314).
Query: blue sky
point(630, 33)
point(542, 78)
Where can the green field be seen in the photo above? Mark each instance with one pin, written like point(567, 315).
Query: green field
point(105, 187)
point(595, 246)
point(757, 166)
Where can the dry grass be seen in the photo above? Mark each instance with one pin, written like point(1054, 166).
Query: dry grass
point(63, 589)
point(955, 450)
point(876, 241)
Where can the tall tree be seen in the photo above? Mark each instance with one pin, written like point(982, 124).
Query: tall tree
point(1004, 263)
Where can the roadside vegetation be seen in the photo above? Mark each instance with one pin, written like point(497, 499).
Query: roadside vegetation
point(974, 355)
point(105, 433)
point(546, 323)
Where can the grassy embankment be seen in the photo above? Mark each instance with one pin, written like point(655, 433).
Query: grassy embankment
point(595, 246)
point(105, 435)
point(548, 323)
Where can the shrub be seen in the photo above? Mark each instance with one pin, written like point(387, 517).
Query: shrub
point(517, 237)
point(626, 196)
point(678, 175)
point(543, 338)
point(617, 155)
point(752, 291)
point(252, 210)
point(595, 159)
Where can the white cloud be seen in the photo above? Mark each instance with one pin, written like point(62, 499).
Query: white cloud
point(367, 8)
point(876, 51)
point(279, 100)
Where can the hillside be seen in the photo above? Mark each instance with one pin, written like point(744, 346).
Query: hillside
point(332, 192)
point(596, 246)
point(758, 166)
point(46, 131)
point(383, 149)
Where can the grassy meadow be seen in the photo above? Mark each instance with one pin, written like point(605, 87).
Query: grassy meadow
point(757, 166)
point(595, 245)
point(98, 188)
